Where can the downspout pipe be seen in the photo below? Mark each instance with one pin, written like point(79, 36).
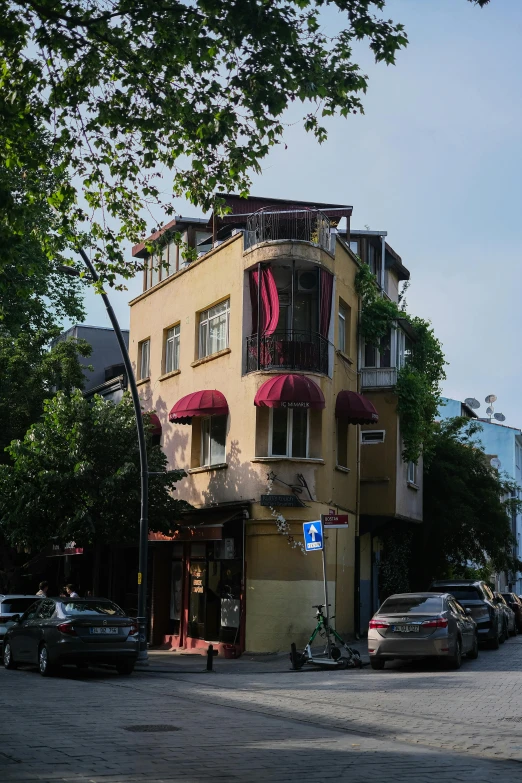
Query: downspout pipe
point(357, 538)
point(383, 259)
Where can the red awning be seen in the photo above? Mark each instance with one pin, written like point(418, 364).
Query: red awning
point(355, 409)
point(155, 423)
point(289, 391)
point(208, 402)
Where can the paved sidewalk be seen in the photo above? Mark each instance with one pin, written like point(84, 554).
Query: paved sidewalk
point(184, 662)
point(255, 721)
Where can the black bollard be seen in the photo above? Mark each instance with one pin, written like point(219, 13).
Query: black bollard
point(210, 658)
point(293, 656)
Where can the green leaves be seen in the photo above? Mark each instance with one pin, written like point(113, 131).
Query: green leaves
point(76, 476)
point(31, 371)
point(419, 381)
point(127, 88)
point(466, 519)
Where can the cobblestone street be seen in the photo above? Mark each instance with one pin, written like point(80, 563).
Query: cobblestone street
point(261, 722)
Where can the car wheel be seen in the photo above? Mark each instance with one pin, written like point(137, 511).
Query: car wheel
point(473, 653)
point(45, 668)
point(494, 644)
point(377, 663)
point(503, 636)
point(514, 632)
point(455, 661)
point(125, 667)
point(9, 662)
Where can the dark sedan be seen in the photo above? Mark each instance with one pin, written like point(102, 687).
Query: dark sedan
point(514, 603)
point(81, 631)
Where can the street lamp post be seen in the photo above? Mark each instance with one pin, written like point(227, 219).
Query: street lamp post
point(144, 519)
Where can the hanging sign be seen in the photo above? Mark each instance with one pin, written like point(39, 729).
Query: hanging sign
point(281, 500)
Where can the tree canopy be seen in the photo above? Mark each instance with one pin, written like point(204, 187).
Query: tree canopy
point(467, 508)
point(31, 373)
point(35, 294)
point(114, 92)
point(75, 477)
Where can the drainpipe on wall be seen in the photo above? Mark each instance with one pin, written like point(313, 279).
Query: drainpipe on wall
point(357, 539)
point(383, 260)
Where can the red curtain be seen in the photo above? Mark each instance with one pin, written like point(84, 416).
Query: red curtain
point(269, 301)
point(325, 304)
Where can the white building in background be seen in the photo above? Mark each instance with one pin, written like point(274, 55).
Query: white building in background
point(503, 445)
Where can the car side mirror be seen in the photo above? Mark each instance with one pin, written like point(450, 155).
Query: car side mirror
point(468, 612)
point(15, 618)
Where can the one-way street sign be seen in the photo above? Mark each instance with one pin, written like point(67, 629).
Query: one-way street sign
point(313, 535)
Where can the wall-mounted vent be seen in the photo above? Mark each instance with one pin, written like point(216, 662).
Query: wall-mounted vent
point(372, 436)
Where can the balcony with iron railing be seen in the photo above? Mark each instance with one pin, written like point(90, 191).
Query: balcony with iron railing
point(302, 225)
point(287, 350)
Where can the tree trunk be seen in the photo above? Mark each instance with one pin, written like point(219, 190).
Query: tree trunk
point(96, 570)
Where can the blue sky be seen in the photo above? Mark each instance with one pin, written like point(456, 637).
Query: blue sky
point(436, 161)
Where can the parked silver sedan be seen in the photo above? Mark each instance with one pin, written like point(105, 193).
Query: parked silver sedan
point(56, 631)
point(420, 625)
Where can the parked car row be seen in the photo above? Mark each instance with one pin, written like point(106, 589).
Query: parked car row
point(447, 622)
point(80, 631)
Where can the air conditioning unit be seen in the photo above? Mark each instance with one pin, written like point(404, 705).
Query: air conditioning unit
point(307, 281)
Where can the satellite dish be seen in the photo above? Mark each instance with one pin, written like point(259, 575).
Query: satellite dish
point(472, 402)
point(491, 398)
point(489, 411)
point(500, 417)
point(495, 463)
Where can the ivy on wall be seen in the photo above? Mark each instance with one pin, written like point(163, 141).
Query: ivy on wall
point(394, 576)
point(419, 381)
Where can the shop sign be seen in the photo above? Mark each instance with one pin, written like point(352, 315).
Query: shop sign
point(290, 501)
point(203, 533)
point(335, 520)
point(69, 549)
point(294, 404)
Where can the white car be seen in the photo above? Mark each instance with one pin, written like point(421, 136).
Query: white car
point(10, 605)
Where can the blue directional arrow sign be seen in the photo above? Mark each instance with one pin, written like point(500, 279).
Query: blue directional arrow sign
point(313, 535)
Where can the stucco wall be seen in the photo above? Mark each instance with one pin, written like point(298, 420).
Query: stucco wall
point(282, 583)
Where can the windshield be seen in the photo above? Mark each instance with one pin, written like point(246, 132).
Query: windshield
point(76, 608)
point(16, 605)
point(462, 592)
point(417, 604)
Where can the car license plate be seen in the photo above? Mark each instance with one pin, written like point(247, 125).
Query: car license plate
point(104, 630)
point(406, 628)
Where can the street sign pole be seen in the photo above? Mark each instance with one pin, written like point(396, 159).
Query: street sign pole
point(326, 602)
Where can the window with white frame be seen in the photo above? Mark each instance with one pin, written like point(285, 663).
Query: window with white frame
point(379, 356)
point(144, 359)
point(213, 440)
point(404, 348)
point(344, 327)
point(288, 432)
point(374, 261)
point(412, 473)
point(172, 349)
point(214, 329)
point(372, 436)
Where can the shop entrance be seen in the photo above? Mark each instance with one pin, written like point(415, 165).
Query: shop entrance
point(214, 591)
point(206, 598)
